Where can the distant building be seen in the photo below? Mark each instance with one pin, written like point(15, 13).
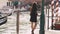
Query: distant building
point(3, 3)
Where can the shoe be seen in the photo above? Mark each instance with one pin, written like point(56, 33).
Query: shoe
point(32, 32)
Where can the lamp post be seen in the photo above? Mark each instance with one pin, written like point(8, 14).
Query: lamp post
point(48, 15)
point(42, 20)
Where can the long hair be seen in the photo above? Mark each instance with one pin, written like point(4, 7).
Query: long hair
point(34, 7)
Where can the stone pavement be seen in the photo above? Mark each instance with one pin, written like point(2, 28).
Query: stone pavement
point(24, 27)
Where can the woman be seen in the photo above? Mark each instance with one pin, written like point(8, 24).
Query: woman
point(33, 18)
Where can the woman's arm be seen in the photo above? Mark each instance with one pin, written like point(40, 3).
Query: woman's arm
point(30, 10)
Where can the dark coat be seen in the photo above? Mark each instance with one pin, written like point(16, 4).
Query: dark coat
point(33, 13)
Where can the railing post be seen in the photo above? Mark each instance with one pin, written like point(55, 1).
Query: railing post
point(48, 16)
point(17, 24)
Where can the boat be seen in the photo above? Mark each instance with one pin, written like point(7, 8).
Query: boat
point(3, 19)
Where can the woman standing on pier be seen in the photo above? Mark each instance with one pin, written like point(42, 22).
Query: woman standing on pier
point(33, 17)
